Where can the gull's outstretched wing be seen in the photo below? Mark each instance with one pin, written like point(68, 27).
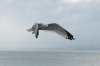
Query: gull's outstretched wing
point(59, 30)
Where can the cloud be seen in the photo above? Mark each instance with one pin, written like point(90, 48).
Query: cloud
point(81, 20)
point(78, 1)
point(9, 1)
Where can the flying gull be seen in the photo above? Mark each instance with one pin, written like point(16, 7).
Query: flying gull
point(53, 27)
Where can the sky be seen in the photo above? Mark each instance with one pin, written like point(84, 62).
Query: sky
point(79, 17)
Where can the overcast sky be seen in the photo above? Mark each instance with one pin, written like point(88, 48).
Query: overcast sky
point(80, 17)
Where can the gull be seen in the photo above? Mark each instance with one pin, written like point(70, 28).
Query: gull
point(53, 27)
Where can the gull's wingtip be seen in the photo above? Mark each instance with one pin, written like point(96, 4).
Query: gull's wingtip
point(70, 38)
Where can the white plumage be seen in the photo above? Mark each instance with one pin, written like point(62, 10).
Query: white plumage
point(51, 27)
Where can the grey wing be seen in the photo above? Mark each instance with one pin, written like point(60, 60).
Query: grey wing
point(60, 30)
point(36, 31)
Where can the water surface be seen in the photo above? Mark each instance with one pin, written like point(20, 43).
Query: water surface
point(49, 58)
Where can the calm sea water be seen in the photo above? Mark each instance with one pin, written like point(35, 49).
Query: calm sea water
point(49, 58)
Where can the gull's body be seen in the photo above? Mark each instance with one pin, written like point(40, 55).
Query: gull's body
point(51, 27)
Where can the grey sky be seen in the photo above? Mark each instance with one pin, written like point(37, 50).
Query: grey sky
point(80, 17)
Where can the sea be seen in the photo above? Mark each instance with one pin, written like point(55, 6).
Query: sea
point(49, 58)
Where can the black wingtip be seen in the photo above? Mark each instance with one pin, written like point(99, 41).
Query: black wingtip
point(70, 36)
